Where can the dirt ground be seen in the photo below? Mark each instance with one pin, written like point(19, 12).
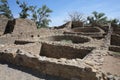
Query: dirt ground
point(111, 65)
point(12, 72)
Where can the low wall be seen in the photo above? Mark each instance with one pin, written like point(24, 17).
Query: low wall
point(58, 51)
point(66, 25)
point(115, 39)
point(49, 66)
point(94, 32)
point(114, 48)
point(105, 28)
point(86, 30)
point(74, 39)
point(93, 35)
point(116, 30)
point(76, 24)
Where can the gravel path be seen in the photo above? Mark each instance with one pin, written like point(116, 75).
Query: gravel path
point(12, 72)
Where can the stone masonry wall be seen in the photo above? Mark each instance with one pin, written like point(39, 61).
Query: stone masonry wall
point(3, 24)
point(49, 66)
point(56, 51)
point(24, 26)
point(115, 40)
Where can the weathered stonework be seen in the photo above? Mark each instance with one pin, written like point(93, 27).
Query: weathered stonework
point(26, 26)
point(74, 53)
point(115, 39)
point(3, 24)
point(76, 39)
point(76, 24)
point(115, 43)
point(58, 67)
point(94, 32)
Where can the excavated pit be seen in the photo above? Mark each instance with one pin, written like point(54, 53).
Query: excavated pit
point(68, 39)
point(94, 32)
point(86, 30)
point(59, 51)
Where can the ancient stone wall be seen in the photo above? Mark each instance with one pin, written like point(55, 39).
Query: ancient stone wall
point(70, 25)
point(114, 48)
point(67, 25)
point(58, 51)
point(49, 66)
point(115, 39)
point(7, 40)
point(3, 24)
point(23, 26)
point(94, 32)
point(86, 29)
point(10, 27)
point(116, 30)
point(68, 38)
point(76, 24)
point(105, 28)
point(115, 43)
point(16, 26)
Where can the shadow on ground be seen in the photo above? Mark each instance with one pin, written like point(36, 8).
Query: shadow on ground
point(32, 72)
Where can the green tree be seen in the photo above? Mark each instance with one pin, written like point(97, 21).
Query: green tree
point(40, 16)
point(115, 22)
point(4, 9)
point(34, 13)
point(25, 9)
point(97, 19)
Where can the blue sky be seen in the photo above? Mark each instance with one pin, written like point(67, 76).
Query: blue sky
point(61, 8)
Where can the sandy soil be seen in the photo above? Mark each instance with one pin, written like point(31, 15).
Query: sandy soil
point(111, 65)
